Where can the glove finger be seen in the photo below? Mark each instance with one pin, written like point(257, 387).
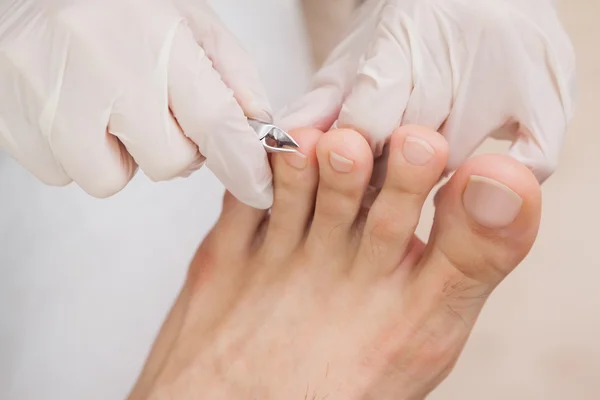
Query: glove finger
point(20, 134)
point(383, 82)
point(530, 105)
point(237, 69)
point(92, 157)
point(142, 121)
point(321, 106)
point(541, 129)
point(430, 100)
point(210, 116)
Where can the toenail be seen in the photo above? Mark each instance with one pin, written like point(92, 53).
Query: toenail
point(296, 160)
point(417, 151)
point(490, 203)
point(339, 163)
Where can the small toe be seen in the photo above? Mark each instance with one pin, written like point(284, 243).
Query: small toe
point(295, 177)
point(236, 228)
point(345, 166)
point(417, 158)
point(487, 219)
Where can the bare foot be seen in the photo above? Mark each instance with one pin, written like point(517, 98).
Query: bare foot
point(324, 301)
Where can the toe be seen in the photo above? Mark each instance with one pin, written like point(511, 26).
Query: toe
point(345, 166)
point(417, 158)
point(235, 231)
point(486, 222)
point(295, 177)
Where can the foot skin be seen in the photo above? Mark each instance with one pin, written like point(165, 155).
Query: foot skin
point(324, 300)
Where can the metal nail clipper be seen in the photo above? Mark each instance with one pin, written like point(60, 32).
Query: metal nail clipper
point(273, 139)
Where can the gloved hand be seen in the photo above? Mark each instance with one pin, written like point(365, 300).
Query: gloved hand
point(91, 89)
point(469, 68)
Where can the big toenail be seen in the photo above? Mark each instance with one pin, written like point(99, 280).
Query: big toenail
point(296, 160)
point(339, 163)
point(417, 151)
point(490, 203)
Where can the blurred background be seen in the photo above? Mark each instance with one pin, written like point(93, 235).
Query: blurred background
point(85, 283)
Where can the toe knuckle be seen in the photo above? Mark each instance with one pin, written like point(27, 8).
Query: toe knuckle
point(411, 188)
point(487, 266)
point(436, 357)
point(435, 354)
point(387, 227)
point(335, 210)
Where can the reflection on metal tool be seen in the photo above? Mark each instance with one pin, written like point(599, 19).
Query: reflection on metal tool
point(273, 139)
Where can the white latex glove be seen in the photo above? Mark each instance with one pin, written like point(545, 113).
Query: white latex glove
point(91, 89)
point(469, 68)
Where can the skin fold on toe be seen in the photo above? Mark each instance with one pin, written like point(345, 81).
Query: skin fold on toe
point(417, 158)
point(320, 300)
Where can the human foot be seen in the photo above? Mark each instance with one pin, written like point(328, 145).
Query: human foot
point(322, 300)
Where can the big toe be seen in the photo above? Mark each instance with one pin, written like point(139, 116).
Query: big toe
point(486, 222)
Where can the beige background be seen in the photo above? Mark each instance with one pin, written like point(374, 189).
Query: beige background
point(539, 336)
